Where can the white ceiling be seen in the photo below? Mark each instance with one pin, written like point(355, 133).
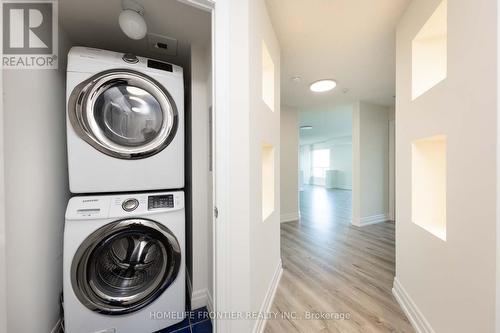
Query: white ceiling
point(329, 125)
point(95, 23)
point(351, 41)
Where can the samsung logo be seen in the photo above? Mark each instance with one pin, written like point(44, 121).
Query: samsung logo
point(90, 200)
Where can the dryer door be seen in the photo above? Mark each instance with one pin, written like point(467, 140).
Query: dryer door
point(125, 265)
point(124, 114)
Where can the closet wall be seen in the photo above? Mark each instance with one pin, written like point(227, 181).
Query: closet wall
point(36, 180)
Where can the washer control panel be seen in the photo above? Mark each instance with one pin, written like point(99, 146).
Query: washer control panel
point(123, 205)
point(130, 204)
point(160, 201)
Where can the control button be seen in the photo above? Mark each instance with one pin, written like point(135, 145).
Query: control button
point(130, 58)
point(130, 205)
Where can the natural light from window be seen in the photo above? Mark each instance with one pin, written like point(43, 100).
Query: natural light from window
point(321, 162)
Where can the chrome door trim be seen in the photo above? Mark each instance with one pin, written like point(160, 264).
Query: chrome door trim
point(81, 109)
point(122, 305)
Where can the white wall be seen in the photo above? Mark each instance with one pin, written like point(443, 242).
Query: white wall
point(36, 193)
point(341, 161)
point(305, 160)
point(289, 162)
point(264, 128)
point(392, 164)
point(370, 163)
point(201, 176)
point(452, 283)
point(232, 155)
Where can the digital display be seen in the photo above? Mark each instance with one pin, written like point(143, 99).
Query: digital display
point(159, 65)
point(88, 211)
point(161, 201)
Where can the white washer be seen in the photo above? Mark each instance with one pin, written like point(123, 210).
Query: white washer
point(125, 122)
point(123, 265)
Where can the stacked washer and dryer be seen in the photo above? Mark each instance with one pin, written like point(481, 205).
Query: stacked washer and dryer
point(124, 236)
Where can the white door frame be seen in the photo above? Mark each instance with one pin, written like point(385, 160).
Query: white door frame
point(220, 138)
point(3, 247)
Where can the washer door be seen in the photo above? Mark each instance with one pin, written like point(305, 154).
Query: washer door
point(125, 265)
point(124, 114)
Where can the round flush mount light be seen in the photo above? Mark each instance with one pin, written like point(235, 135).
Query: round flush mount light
point(323, 85)
point(307, 127)
point(131, 20)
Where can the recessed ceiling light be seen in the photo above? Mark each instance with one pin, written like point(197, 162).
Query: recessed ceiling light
point(296, 79)
point(323, 85)
point(306, 127)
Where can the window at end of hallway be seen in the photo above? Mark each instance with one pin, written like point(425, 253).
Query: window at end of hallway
point(321, 162)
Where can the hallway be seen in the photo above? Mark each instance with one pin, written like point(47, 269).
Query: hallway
point(334, 268)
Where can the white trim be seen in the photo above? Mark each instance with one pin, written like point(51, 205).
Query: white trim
point(201, 298)
point(3, 256)
point(221, 160)
point(416, 318)
point(368, 220)
point(260, 324)
point(206, 5)
point(289, 217)
point(210, 302)
point(57, 327)
point(343, 187)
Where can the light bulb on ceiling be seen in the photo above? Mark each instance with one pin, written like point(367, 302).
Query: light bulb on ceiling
point(131, 20)
point(323, 85)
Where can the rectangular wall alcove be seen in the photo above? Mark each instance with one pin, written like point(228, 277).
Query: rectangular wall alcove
point(429, 52)
point(429, 184)
point(267, 77)
point(267, 180)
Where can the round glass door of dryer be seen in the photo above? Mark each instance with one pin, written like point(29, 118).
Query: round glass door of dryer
point(124, 266)
point(124, 114)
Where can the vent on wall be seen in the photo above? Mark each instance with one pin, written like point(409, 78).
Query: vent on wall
point(428, 188)
point(162, 45)
point(429, 52)
point(267, 181)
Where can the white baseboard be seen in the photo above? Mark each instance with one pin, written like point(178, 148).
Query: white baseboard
point(201, 298)
point(57, 327)
point(268, 299)
point(368, 220)
point(289, 217)
point(344, 187)
point(416, 318)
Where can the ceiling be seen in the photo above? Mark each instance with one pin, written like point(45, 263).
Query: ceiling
point(95, 23)
point(350, 41)
point(329, 125)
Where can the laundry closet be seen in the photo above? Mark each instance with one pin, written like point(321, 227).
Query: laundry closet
point(145, 179)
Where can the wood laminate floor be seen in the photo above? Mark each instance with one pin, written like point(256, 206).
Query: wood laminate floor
point(337, 277)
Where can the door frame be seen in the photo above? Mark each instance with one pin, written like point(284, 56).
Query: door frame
point(3, 247)
point(219, 10)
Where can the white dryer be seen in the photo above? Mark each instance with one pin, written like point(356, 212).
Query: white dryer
point(125, 122)
point(123, 265)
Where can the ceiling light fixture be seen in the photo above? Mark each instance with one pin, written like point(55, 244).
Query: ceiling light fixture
point(323, 85)
point(307, 127)
point(131, 20)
